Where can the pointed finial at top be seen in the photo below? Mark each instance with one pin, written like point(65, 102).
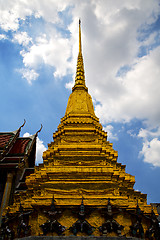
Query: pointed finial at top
point(23, 124)
point(39, 129)
point(19, 129)
point(80, 44)
point(80, 78)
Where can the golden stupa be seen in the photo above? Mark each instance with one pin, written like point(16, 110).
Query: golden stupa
point(81, 171)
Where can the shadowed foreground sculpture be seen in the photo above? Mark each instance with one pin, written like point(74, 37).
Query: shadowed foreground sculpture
point(52, 225)
point(137, 228)
point(81, 225)
point(23, 228)
point(110, 224)
point(154, 228)
point(5, 230)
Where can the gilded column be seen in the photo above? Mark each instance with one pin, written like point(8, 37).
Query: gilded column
point(6, 194)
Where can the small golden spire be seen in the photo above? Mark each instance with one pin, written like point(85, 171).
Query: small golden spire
point(80, 45)
point(80, 78)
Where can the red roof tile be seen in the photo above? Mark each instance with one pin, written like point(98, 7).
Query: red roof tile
point(5, 138)
point(20, 146)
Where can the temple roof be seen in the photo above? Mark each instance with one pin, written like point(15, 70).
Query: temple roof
point(13, 149)
point(20, 146)
point(6, 138)
point(17, 152)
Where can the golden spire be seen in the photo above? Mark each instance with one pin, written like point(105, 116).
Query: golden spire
point(80, 45)
point(80, 78)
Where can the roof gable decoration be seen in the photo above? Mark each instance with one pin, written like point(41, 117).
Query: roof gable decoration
point(7, 139)
point(20, 149)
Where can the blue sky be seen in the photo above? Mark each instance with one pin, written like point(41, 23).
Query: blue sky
point(121, 50)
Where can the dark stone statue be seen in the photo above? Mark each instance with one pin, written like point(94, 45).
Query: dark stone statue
point(52, 225)
point(110, 225)
point(5, 232)
point(23, 228)
point(153, 231)
point(81, 225)
point(136, 230)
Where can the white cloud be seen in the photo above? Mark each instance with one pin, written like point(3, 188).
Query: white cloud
point(54, 52)
point(3, 36)
point(151, 40)
point(110, 132)
point(27, 134)
point(149, 133)
point(151, 152)
point(40, 148)
point(151, 146)
point(131, 133)
point(69, 85)
point(22, 38)
point(8, 20)
point(140, 95)
point(29, 74)
point(11, 12)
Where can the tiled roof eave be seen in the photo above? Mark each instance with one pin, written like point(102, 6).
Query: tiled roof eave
point(20, 147)
point(9, 165)
point(11, 160)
